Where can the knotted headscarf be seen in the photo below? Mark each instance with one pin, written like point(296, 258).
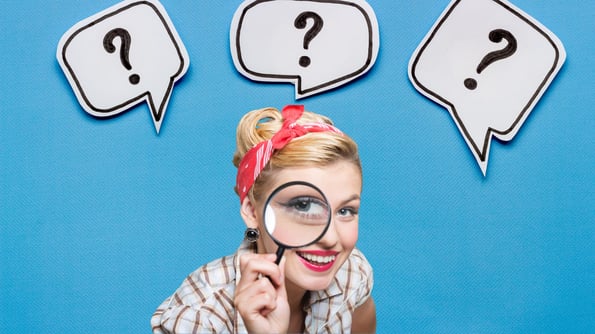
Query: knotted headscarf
point(258, 156)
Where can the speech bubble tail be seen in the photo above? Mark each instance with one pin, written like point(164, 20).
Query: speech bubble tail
point(157, 126)
point(303, 89)
point(298, 90)
point(158, 106)
point(483, 165)
point(479, 143)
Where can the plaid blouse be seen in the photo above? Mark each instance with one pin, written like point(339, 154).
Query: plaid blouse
point(204, 301)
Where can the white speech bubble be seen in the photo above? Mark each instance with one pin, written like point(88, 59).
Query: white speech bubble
point(124, 55)
point(316, 45)
point(488, 63)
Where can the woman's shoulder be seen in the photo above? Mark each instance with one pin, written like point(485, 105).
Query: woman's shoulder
point(357, 277)
point(201, 303)
point(220, 271)
point(216, 272)
point(358, 260)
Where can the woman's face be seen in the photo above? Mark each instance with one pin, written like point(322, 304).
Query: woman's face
point(313, 267)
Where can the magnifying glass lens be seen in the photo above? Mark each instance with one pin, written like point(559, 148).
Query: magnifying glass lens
point(296, 215)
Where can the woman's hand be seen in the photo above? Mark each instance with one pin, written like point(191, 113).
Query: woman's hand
point(260, 296)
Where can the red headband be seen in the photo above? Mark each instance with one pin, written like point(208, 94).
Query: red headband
point(257, 157)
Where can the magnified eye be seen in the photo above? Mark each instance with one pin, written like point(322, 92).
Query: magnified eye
point(296, 214)
point(301, 204)
point(307, 208)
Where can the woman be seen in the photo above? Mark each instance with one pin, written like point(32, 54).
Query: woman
point(321, 288)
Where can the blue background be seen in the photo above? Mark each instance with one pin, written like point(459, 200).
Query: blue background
point(100, 220)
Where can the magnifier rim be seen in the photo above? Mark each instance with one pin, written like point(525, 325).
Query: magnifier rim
point(286, 185)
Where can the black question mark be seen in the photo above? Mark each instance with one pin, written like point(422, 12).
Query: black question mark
point(495, 36)
point(300, 23)
point(108, 45)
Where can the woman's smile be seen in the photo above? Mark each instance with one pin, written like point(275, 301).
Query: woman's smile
point(318, 261)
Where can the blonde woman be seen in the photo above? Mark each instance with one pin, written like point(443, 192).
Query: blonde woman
point(324, 287)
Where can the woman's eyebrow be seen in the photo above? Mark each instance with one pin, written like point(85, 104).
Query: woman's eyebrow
point(351, 198)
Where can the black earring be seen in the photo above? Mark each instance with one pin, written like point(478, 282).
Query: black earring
point(251, 234)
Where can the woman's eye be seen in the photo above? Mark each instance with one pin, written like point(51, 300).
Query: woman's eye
point(307, 207)
point(302, 205)
point(347, 212)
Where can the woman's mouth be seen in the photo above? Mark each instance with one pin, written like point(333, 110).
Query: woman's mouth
point(317, 261)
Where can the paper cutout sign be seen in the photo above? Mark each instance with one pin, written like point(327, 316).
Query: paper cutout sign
point(124, 55)
point(315, 44)
point(488, 63)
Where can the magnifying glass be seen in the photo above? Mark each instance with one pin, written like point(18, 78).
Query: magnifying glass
point(296, 214)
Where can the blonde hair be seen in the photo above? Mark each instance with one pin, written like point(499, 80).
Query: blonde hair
point(312, 149)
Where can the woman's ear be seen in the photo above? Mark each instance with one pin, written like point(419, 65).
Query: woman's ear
point(248, 213)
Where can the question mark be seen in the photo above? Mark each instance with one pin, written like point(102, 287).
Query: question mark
point(495, 36)
point(300, 23)
point(108, 45)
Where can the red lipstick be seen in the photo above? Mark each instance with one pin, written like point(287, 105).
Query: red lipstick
point(317, 260)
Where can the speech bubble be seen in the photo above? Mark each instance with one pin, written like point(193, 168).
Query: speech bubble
point(316, 45)
point(488, 63)
point(124, 55)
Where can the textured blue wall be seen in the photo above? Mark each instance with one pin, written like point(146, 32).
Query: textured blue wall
point(100, 220)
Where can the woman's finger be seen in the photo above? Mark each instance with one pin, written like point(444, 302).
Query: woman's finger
point(255, 266)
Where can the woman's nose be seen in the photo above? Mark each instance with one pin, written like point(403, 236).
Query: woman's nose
point(331, 236)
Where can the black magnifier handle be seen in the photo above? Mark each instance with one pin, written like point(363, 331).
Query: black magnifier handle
point(280, 251)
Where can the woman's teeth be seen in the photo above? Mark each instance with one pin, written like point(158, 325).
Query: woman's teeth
point(318, 258)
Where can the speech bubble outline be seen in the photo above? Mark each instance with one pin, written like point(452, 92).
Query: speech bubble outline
point(308, 79)
point(478, 140)
point(79, 63)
